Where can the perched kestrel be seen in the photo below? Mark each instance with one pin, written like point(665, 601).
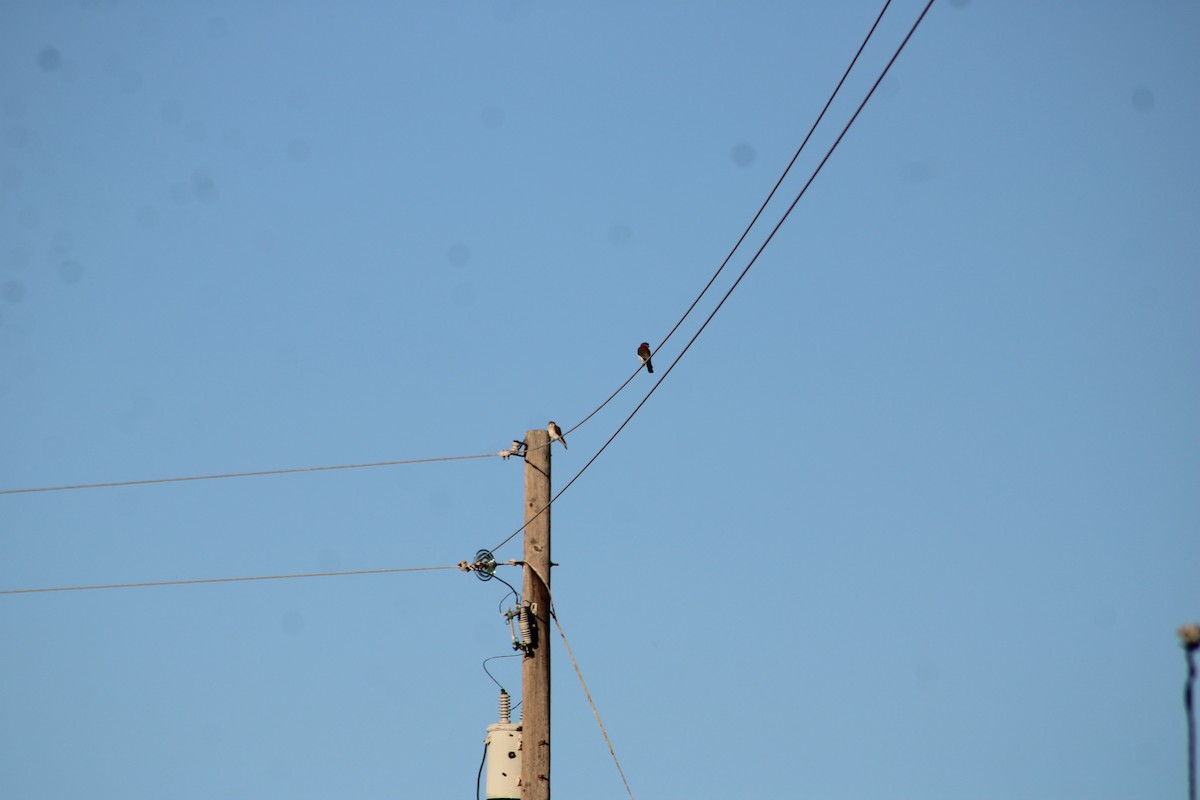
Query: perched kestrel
point(556, 433)
point(644, 355)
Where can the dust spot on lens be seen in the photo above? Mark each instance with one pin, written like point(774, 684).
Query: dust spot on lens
point(1143, 98)
point(459, 255)
point(440, 500)
point(181, 193)
point(329, 561)
point(620, 234)
point(18, 137)
point(233, 139)
point(62, 242)
point(171, 112)
point(297, 100)
point(216, 27)
point(13, 107)
point(203, 186)
point(148, 25)
point(130, 81)
point(70, 272)
point(292, 623)
point(147, 216)
point(919, 171)
point(12, 292)
point(286, 355)
point(20, 256)
point(49, 59)
point(298, 150)
point(512, 10)
point(29, 217)
point(743, 154)
point(195, 132)
point(463, 295)
point(492, 118)
point(11, 178)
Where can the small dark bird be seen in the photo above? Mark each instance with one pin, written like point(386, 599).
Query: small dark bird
point(644, 355)
point(556, 433)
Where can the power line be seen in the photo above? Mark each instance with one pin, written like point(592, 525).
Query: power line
point(242, 474)
point(743, 273)
point(579, 674)
point(577, 425)
point(592, 460)
point(591, 702)
point(224, 580)
point(786, 170)
point(757, 214)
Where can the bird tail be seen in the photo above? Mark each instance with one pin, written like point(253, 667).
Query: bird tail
point(649, 367)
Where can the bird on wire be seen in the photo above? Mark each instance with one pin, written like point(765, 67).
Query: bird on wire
point(644, 355)
point(556, 433)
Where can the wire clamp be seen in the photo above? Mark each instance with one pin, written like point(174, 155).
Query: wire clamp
point(517, 449)
point(484, 565)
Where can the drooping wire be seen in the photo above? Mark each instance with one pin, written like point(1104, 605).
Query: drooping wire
point(736, 282)
point(511, 590)
point(493, 677)
point(243, 474)
point(579, 673)
point(786, 170)
point(224, 580)
point(479, 777)
point(509, 593)
point(600, 407)
point(1189, 636)
point(591, 702)
point(754, 220)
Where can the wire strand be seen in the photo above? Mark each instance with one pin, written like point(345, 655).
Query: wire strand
point(784, 175)
point(591, 702)
point(754, 220)
point(736, 282)
point(223, 580)
point(479, 777)
point(489, 673)
point(243, 474)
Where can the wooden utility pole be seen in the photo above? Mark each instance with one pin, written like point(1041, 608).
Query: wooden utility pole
point(535, 671)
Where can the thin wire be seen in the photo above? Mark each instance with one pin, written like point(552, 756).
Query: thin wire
point(727, 294)
point(591, 702)
point(500, 605)
point(1190, 710)
point(479, 777)
point(620, 389)
point(243, 474)
point(493, 677)
point(757, 214)
point(779, 182)
point(223, 580)
point(511, 590)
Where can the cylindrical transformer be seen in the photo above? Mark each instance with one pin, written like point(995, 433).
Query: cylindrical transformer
point(503, 761)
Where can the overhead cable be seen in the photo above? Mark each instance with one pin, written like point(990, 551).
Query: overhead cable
point(243, 474)
point(224, 580)
point(742, 275)
point(757, 214)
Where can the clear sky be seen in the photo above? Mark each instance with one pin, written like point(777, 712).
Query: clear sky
point(917, 516)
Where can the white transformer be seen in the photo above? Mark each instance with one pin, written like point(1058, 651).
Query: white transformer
point(503, 755)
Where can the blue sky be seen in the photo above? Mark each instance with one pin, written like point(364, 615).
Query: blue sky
point(916, 516)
